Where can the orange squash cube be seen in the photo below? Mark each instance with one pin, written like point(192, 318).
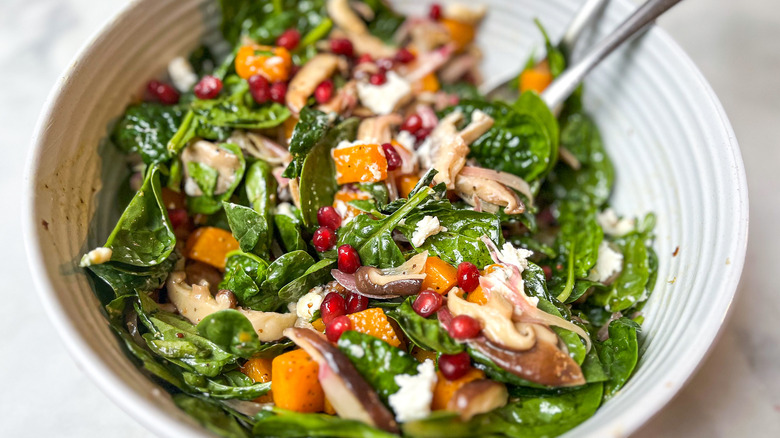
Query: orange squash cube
point(273, 63)
point(374, 322)
point(361, 163)
point(350, 195)
point(259, 370)
point(420, 354)
point(406, 184)
point(210, 245)
point(535, 79)
point(440, 275)
point(477, 296)
point(429, 83)
point(295, 384)
point(445, 389)
point(462, 34)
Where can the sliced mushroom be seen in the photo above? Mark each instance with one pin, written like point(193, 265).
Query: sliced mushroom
point(259, 146)
point(478, 397)
point(303, 84)
point(345, 100)
point(544, 363)
point(345, 18)
point(194, 302)
point(372, 282)
point(495, 317)
point(352, 398)
point(203, 274)
point(378, 129)
point(224, 162)
point(451, 147)
point(269, 326)
point(465, 13)
point(492, 194)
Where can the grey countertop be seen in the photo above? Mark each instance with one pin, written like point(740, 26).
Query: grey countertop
point(736, 392)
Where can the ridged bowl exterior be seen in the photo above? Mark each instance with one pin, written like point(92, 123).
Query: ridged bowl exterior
point(673, 148)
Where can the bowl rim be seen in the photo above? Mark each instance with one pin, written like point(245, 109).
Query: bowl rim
point(163, 424)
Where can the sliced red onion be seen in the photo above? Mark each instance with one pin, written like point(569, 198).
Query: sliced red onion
point(280, 180)
point(428, 116)
point(430, 62)
point(505, 178)
point(344, 279)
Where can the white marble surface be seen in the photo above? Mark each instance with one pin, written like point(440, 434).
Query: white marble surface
point(735, 392)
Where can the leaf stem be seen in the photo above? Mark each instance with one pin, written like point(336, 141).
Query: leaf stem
point(564, 295)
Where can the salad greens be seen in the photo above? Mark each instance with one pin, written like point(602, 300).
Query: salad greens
point(273, 257)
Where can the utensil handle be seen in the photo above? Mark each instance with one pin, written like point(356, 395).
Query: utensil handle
point(562, 87)
point(582, 20)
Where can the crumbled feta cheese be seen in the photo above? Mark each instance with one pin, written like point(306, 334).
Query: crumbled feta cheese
point(608, 263)
point(182, 75)
point(309, 303)
point(285, 208)
point(425, 154)
point(356, 351)
point(97, 256)
point(515, 256)
point(413, 399)
point(406, 139)
point(382, 99)
point(426, 227)
point(614, 226)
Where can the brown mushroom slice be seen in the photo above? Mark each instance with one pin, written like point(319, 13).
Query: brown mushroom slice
point(478, 397)
point(303, 84)
point(544, 363)
point(352, 398)
point(414, 265)
point(372, 282)
point(495, 316)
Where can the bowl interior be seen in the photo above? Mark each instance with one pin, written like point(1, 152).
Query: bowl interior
point(673, 148)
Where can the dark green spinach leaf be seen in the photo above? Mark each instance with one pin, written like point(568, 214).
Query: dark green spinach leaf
point(425, 333)
point(619, 354)
point(146, 129)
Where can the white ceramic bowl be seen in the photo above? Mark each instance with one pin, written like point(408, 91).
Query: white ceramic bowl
point(673, 149)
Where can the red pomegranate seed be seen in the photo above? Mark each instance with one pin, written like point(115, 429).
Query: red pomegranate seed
point(289, 39)
point(393, 159)
point(454, 366)
point(278, 91)
point(178, 217)
point(464, 327)
point(324, 239)
point(377, 78)
point(468, 276)
point(332, 307)
point(427, 303)
point(356, 303)
point(435, 12)
point(422, 133)
point(328, 217)
point(343, 46)
point(208, 87)
point(349, 259)
point(324, 91)
point(412, 123)
point(404, 56)
point(162, 92)
point(547, 272)
point(365, 58)
point(259, 88)
point(337, 327)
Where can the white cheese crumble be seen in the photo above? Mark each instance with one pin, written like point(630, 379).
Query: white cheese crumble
point(382, 99)
point(426, 227)
point(425, 153)
point(406, 139)
point(515, 256)
point(608, 263)
point(97, 256)
point(182, 75)
point(285, 208)
point(614, 226)
point(309, 303)
point(413, 399)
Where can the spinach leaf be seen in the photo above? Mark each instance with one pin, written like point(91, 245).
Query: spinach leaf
point(288, 232)
point(260, 186)
point(288, 424)
point(373, 239)
point(232, 332)
point(210, 204)
point(244, 272)
point(318, 273)
point(146, 129)
point(229, 385)
point(318, 173)
point(264, 21)
point(619, 354)
point(204, 175)
point(250, 229)
point(377, 361)
point(377, 191)
point(628, 289)
point(555, 57)
point(461, 241)
point(310, 129)
point(211, 416)
point(287, 268)
point(532, 104)
point(125, 279)
point(385, 22)
point(425, 333)
point(580, 233)
point(464, 90)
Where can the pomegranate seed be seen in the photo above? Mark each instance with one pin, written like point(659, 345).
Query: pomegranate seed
point(547, 272)
point(259, 88)
point(324, 91)
point(162, 92)
point(393, 159)
point(365, 58)
point(435, 12)
point(464, 327)
point(349, 259)
point(289, 39)
point(337, 327)
point(377, 78)
point(427, 303)
point(324, 239)
point(454, 366)
point(404, 56)
point(208, 87)
point(422, 133)
point(468, 276)
point(343, 46)
point(412, 123)
point(356, 303)
point(278, 91)
point(328, 217)
point(178, 217)
point(332, 307)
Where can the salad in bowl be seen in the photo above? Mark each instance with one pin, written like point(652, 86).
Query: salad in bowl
point(330, 232)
